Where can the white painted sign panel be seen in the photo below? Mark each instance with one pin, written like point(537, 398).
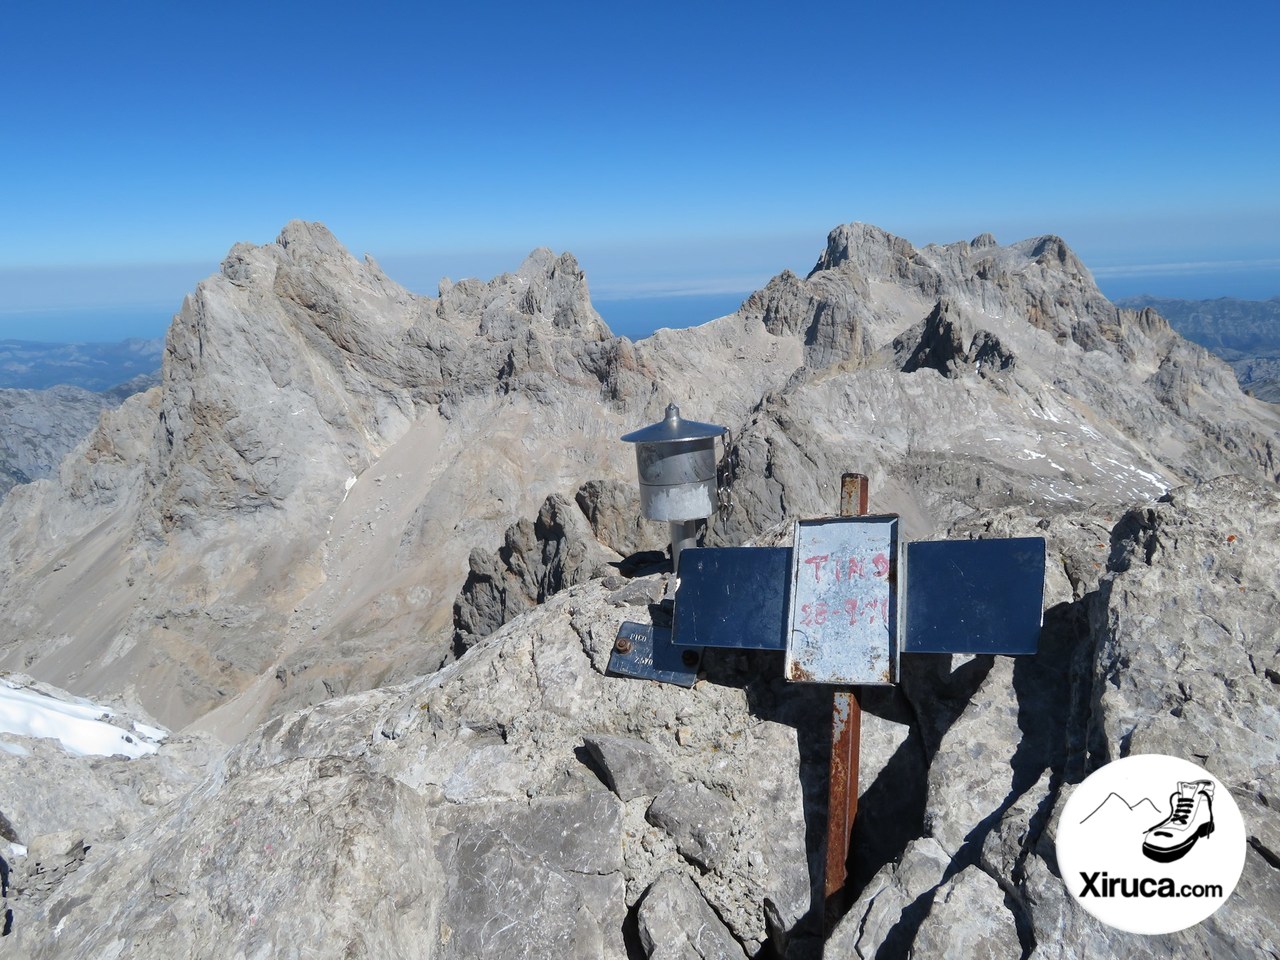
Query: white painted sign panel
point(842, 622)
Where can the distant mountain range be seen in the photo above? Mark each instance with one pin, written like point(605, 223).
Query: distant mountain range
point(1245, 333)
point(26, 365)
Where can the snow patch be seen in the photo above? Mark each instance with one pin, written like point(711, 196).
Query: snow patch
point(150, 732)
point(77, 724)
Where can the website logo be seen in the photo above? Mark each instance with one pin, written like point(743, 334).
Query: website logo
point(1151, 844)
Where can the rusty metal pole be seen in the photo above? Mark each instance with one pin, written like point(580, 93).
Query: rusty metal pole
point(846, 729)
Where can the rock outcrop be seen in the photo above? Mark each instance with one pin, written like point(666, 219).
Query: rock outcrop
point(464, 815)
point(1168, 655)
point(941, 342)
point(538, 558)
point(65, 802)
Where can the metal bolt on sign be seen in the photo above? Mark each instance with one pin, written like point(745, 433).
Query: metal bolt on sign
point(845, 601)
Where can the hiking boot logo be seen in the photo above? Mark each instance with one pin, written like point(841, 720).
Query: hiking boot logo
point(1126, 857)
point(1190, 818)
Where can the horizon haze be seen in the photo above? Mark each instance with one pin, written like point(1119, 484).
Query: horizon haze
point(676, 152)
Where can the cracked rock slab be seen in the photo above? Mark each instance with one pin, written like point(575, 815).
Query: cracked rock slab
point(632, 767)
point(698, 819)
point(676, 923)
point(968, 921)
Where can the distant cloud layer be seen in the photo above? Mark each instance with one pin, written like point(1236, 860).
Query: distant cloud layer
point(35, 289)
point(1195, 266)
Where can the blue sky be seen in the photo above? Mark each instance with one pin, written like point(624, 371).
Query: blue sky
point(672, 147)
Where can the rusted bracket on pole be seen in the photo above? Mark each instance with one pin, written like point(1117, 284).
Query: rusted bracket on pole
point(846, 731)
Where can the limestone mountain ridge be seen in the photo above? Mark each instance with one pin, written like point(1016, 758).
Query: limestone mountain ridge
point(274, 546)
point(290, 514)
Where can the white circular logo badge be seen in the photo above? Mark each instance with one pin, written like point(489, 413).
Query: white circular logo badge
point(1151, 844)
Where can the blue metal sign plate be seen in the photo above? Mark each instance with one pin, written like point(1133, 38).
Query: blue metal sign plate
point(974, 596)
point(843, 611)
point(645, 651)
point(732, 597)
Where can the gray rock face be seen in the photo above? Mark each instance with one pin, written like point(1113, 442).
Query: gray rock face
point(49, 859)
point(612, 507)
point(1167, 655)
point(455, 817)
point(471, 799)
point(38, 428)
point(67, 810)
point(699, 820)
point(892, 905)
point(940, 342)
point(632, 768)
point(543, 879)
point(102, 798)
point(968, 921)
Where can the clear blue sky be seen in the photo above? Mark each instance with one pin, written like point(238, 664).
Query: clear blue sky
point(672, 147)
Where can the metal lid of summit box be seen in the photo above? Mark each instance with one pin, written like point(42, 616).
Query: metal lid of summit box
point(674, 429)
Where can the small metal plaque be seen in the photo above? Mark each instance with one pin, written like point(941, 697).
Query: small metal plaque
point(645, 651)
point(732, 597)
point(843, 610)
point(974, 596)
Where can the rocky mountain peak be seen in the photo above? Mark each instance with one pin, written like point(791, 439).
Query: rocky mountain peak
point(1053, 252)
point(865, 249)
point(302, 238)
point(546, 290)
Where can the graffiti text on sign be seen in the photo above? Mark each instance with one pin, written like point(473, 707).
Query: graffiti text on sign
point(857, 611)
point(849, 568)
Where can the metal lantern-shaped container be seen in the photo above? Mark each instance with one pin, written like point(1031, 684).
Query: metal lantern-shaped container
point(676, 460)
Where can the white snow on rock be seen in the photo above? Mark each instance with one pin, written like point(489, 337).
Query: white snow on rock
point(78, 724)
